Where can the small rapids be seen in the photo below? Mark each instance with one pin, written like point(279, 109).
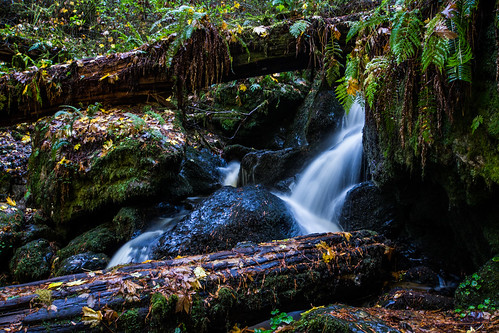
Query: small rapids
point(230, 174)
point(139, 248)
point(317, 199)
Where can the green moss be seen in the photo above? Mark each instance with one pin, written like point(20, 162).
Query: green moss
point(479, 287)
point(132, 170)
point(318, 321)
point(32, 261)
point(130, 321)
point(11, 222)
point(101, 239)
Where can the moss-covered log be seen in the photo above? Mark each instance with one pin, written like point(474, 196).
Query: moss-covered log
point(150, 73)
point(203, 293)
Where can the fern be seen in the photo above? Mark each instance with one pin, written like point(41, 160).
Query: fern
point(332, 64)
point(374, 74)
point(137, 122)
point(298, 28)
point(405, 39)
point(342, 94)
point(156, 116)
point(435, 47)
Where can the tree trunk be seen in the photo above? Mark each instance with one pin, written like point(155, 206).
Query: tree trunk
point(145, 74)
point(205, 293)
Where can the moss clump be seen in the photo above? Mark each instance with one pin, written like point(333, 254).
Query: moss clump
point(101, 239)
point(11, 222)
point(131, 321)
point(32, 261)
point(127, 221)
point(162, 313)
point(70, 183)
point(481, 289)
point(319, 321)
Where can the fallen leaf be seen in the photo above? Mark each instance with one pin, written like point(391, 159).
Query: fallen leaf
point(10, 201)
point(75, 283)
point(91, 317)
point(54, 285)
point(200, 272)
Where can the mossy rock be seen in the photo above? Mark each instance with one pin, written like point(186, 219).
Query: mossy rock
point(330, 320)
point(481, 289)
point(32, 261)
point(102, 239)
point(77, 176)
point(127, 222)
point(11, 223)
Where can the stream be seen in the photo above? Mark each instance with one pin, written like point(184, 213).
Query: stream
point(315, 201)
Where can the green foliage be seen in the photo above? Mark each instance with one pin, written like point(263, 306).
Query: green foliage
point(278, 318)
point(332, 64)
point(298, 28)
point(405, 38)
point(374, 74)
point(476, 123)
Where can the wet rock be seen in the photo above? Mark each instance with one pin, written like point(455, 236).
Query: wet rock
point(481, 289)
point(227, 217)
point(268, 167)
point(402, 299)
point(236, 152)
point(32, 261)
point(325, 116)
point(366, 207)
point(201, 170)
point(83, 262)
point(421, 274)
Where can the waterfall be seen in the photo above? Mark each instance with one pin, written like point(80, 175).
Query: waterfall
point(318, 197)
point(230, 173)
point(139, 248)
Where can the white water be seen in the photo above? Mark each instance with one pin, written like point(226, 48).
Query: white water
point(318, 197)
point(139, 249)
point(230, 173)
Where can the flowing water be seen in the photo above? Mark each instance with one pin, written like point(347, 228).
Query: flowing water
point(318, 197)
point(230, 173)
point(139, 248)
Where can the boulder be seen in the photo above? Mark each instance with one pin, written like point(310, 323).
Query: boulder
point(268, 167)
point(32, 261)
point(366, 207)
point(80, 168)
point(229, 216)
point(83, 262)
point(201, 170)
point(402, 299)
point(480, 290)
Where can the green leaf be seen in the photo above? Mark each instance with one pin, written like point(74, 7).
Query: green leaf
point(298, 28)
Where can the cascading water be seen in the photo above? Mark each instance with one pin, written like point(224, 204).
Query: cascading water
point(318, 197)
point(139, 249)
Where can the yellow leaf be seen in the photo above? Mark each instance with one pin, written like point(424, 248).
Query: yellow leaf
point(236, 4)
point(200, 272)
point(243, 87)
point(3, 207)
point(75, 283)
point(10, 201)
point(91, 317)
point(239, 29)
point(274, 79)
point(353, 86)
point(77, 146)
point(189, 21)
point(26, 138)
point(25, 89)
point(347, 236)
point(54, 285)
point(224, 25)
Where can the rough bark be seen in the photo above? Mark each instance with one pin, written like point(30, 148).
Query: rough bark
point(144, 74)
point(241, 286)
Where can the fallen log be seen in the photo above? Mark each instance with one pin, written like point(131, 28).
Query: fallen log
point(203, 293)
point(150, 72)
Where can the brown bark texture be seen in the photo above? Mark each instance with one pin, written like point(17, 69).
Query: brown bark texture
point(206, 293)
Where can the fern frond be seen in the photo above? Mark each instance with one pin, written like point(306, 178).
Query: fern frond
point(374, 74)
point(342, 94)
point(331, 61)
point(298, 28)
point(405, 39)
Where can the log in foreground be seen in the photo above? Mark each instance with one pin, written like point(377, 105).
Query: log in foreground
point(151, 72)
point(203, 293)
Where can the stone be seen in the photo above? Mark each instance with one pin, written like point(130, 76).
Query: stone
point(32, 261)
point(83, 262)
point(228, 217)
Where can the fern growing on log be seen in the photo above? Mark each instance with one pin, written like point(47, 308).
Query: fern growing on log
point(405, 39)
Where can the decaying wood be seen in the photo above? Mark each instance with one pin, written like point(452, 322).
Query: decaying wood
point(145, 74)
point(208, 292)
